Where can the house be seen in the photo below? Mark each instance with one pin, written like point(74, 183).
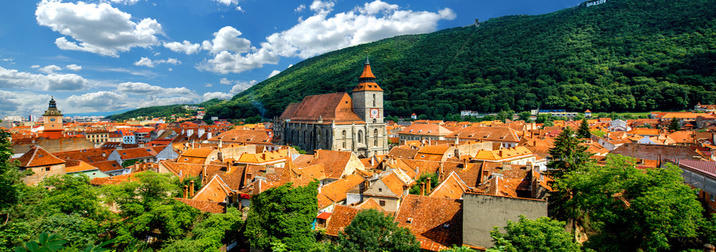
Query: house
point(421, 131)
point(42, 163)
point(452, 187)
point(146, 155)
point(436, 152)
point(700, 175)
point(111, 167)
point(437, 223)
point(506, 137)
point(337, 164)
point(388, 190)
point(518, 155)
point(79, 168)
point(128, 137)
point(619, 125)
point(335, 193)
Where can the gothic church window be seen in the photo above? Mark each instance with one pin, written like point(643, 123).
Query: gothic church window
point(360, 136)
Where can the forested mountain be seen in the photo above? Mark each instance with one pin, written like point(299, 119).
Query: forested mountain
point(622, 55)
point(162, 111)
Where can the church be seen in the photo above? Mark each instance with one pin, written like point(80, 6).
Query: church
point(338, 121)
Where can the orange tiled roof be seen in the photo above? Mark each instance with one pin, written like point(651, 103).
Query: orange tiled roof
point(479, 133)
point(501, 154)
point(336, 190)
point(435, 222)
point(216, 191)
point(334, 162)
point(393, 183)
point(135, 153)
point(425, 130)
point(37, 156)
point(452, 187)
point(204, 206)
point(78, 166)
point(340, 218)
point(403, 152)
point(336, 107)
point(243, 136)
point(370, 203)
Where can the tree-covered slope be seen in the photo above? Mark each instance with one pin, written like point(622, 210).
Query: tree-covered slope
point(623, 55)
point(162, 111)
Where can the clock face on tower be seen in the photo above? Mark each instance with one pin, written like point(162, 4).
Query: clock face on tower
point(374, 113)
point(52, 119)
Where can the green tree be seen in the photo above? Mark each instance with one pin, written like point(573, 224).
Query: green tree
point(567, 154)
point(283, 214)
point(415, 189)
point(630, 209)
point(73, 194)
point(44, 243)
point(525, 116)
point(674, 125)
point(371, 230)
point(9, 176)
point(455, 248)
point(211, 233)
point(542, 234)
point(583, 131)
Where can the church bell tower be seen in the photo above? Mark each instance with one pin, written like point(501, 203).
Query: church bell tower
point(52, 121)
point(368, 97)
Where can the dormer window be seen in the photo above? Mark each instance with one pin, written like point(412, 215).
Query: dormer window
point(409, 220)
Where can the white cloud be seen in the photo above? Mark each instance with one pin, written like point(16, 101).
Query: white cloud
point(96, 28)
point(228, 2)
point(300, 8)
point(50, 69)
point(319, 34)
point(73, 67)
point(274, 73)
point(98, 101)
point(220, 95)
point(226, 81)
point(183, 47)
point(22, 103)
point(126, 2)
point(140, 88)
point(227, 39)
point(14, 79)
point(238, 8)
point(144, 61)
point(241, 86)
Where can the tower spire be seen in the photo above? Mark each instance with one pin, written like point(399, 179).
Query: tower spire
point(366, 81)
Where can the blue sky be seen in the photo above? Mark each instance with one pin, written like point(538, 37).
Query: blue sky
point(96, 56)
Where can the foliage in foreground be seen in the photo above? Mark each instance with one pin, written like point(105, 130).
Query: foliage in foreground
point(372, 230)
point(542, 234)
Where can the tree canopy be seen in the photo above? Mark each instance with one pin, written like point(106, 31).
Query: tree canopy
point(372, 230)
point(542, 234)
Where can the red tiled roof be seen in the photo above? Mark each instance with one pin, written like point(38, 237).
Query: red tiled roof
point(216, 191)
point(336, 107)
point(435, 222)
point(425, 130)
point(106, 166)
point(340, 219)
point(479, 133)
point(37, 156)
point(204, 206)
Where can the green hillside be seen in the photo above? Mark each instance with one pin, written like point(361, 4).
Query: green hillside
point(623, 55)
point(161, 111)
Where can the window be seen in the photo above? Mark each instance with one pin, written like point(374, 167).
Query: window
point(380, 189)
point(382, 203)
point(344, 144)
point(360, 136)
point(373, 100)
point(344, 134)
point(47, 168)
point(712, 198)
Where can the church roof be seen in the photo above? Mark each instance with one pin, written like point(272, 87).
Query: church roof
point(336, 107)
point(366, 81)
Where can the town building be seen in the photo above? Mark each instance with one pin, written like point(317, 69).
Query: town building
point(52, 121)
point(338, 121)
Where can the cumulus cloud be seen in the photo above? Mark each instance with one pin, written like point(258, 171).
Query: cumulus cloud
point(73, 67)
point(227, 2)
point(238, 8)
point(50, 69)
point(146, 89)
point(219, 95)
point(227, 39)
point(241, 86)
point(22, 103)
point(14, 79)
point(183, 47)
point(274, 73)
point(319, 33)
point(98, 101)
point(96, 28)
point(300, 8)
point(144, 61)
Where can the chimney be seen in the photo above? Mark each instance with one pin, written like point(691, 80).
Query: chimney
point(465, 162)
point(440, 172)
point(191, 189)
point(186, 188)
point(372, 161)
point(366, 184)
point(422, 188)
point(228, 167)
point(427, 185)
point(203, 175)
